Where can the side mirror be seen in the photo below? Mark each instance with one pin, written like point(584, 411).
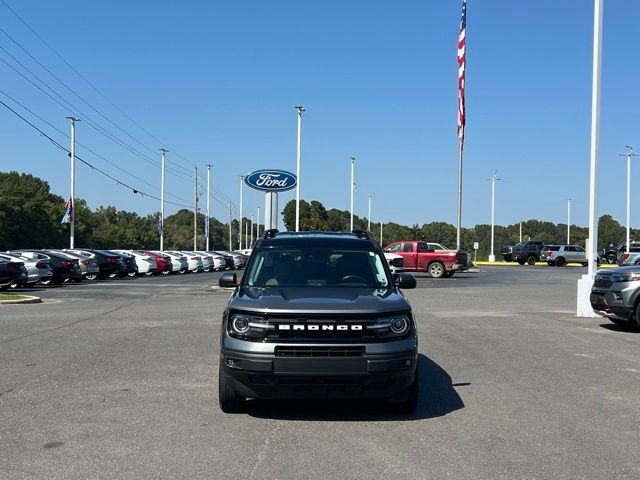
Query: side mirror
point(406, 280)
point(228, 280)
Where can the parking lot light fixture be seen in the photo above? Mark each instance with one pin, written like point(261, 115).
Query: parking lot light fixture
point(369, 216)
point(72, 154)
point(163, 153)
point(299, 109)
point(494, 179)
point(629, 154)
point(240, 224)
point(353, 185)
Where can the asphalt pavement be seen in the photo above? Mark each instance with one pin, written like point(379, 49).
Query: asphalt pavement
point(117, 380)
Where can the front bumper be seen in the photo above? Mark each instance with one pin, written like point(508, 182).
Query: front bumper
point(612, 304)
point(265, 375)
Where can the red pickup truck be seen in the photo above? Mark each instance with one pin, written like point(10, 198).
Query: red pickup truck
point(428, 257)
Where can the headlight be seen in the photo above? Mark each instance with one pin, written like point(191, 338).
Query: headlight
point(625, 277)
point(392, 326)
point(248, 326)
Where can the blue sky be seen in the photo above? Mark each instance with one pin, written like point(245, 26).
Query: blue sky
point(217, 83)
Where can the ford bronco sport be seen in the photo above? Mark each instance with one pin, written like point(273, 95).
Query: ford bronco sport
point(318, 315)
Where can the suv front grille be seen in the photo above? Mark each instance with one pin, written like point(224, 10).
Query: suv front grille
point(397, 262)
point(346, 351)
point(602, 281)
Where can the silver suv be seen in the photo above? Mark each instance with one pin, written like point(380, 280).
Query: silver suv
point(560, 255)
point(616, 293)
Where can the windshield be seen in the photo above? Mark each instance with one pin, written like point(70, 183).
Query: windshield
point(316, 267)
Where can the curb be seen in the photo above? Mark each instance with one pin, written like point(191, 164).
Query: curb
point(27, 299)
point(541, 264)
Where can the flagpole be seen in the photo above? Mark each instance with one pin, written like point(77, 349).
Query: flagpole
point(163, 152)
point(459, 223)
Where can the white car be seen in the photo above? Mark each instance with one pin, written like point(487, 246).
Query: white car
point(146, 264)
point(218, 261)
point(194, 261)
point(208, 262)
point(179, 262)
point(396, 262)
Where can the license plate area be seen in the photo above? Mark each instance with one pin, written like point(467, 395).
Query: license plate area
point(319, 366)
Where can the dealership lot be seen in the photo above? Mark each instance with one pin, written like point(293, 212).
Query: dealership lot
point(116, 379)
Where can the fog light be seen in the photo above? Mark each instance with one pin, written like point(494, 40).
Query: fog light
point(231, 363)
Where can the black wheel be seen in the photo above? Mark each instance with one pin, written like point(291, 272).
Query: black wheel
point(132, 274)
point(635, 319)
point(436, 270)
point(113, 275)
point(91, 276)
point(448, 274)
point(611, 258)
point(532, 260)
point(585, 264)
point(14, 285)
point(561, 262)
point(182, 271)
point(166, 272)
point(230, 401)
point(521, 262)
point(149, 273)
point(410, 404)
point(551, 263)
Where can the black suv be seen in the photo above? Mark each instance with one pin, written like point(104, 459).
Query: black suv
point(318, 315)
point(527, 252)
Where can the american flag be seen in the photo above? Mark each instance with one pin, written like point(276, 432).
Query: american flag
point(68, 212)
point(461, 68)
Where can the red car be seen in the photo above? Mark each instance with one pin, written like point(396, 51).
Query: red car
point(163, 262)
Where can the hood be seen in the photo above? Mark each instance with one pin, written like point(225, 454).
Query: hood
point(319, 300)
point(610, 271)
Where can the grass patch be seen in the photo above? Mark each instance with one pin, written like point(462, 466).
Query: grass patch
point(11, 296)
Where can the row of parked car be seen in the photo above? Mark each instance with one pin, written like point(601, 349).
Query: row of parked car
point(28, 267)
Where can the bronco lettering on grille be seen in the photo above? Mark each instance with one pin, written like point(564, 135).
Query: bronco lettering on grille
point(324, 328)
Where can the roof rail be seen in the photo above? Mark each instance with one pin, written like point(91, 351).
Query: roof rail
point(361, 234)
point(270, 233)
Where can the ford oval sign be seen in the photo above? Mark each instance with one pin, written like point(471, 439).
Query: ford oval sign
point(271, 180)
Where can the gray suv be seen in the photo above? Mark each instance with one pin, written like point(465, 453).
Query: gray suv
point(318, 315)
point(560, 255)
point(616, 293)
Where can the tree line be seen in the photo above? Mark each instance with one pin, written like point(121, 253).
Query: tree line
point(30, 218)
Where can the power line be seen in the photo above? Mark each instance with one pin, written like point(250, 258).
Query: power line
point(34, 32)
point(87, 148)
point(68, 105)
point(93, 167)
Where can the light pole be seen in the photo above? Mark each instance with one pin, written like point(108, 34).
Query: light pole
point(583, 304)
point(629, 154)
point(568, 221)
point(251, 230)
point(494, 179)
point(230, 230)
point(195, 210)
point(72, 153)
point(353, 162)
point(381, 233)
point(369, 217)
point(206, 225)
point(520, 232)
point(163, 152)
point(300, 109)
point(240, 224)
point(258, 224)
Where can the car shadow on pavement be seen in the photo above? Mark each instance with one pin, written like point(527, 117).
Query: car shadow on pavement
point(438, 397)
point(620, 328)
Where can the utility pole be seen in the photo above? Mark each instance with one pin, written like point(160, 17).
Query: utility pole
point(230, 230)
point(353, 162)
point(258, 225)
point(568, 221)
point(206, 226)
point(300, 109)
point(629, 154)
point(380, 233)
point(73, 181)
point(369, 217)
point(494, 179)
point(240, 224)
point(195, 210)
point(163, 152)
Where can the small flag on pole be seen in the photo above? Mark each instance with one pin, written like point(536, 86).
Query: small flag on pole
point(68, 212)
point(206, 228)
point(160, 224)
point(461, 73)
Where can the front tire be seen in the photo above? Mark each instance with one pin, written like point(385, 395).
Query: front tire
point(91, 276)
point(436, 270)
point(531, 260)
point(521, 262)
point(611, 258)
point(551, 263)
point(229, 400)
point(561, 262)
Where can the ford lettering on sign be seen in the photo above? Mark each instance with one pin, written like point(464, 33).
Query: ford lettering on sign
point(271, 180)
